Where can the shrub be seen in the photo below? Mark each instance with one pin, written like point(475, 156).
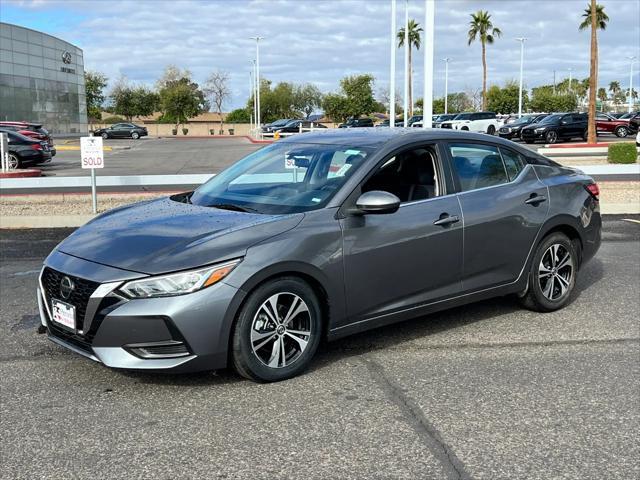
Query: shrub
point(622, 152)
point(113, 119)
point(185, 131)
point(174, 131)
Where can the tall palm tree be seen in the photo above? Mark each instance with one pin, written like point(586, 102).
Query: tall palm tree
point(414, 41)
point(481, 27)
point(594, 17)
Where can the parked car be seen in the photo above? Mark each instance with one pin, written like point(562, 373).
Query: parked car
point(628, 115)
point(294, 126)
point(270, 127)
point(634, 122)
point(356, 123)
point(445, 117)
point(608, 124)
point(31, 130)
point(319, 235)
point(557, 126)
point(122, 130)
point(25, 151)
point(384, 123)
point(513, 129)
point(483, 122)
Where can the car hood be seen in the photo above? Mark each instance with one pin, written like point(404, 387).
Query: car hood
point(163, 235)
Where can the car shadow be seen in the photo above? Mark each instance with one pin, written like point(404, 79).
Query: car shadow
point(387, 337)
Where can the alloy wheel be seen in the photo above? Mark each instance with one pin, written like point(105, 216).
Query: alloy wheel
point(622, 132)
point(135, 135)
point(281, 330)
point(555, 272)
point(552, 137)
point(14, 162)
point(105, 135)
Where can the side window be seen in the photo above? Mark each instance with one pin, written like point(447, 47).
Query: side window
point(476, 116)
point(581, 118)
point(411, 175)
point(513, 163)
point(477, 166)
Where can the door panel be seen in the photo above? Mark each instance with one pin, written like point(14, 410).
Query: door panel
point(396, 261)
point(499, 229)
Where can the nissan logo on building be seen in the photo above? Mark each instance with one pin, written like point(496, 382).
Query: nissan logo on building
point(66, 287)
point(66, 57)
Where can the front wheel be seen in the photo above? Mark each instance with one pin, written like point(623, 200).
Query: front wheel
point(585, 135)
point(621, 132)
point(105, 135)
point(551, 136)
point(491, 130)
point(14, 161)
point(135, 135)
point(552, 276)
point(277, 331)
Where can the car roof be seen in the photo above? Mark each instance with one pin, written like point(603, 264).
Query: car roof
point(376, 137)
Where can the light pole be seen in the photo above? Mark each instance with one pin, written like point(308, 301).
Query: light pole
point(257, 39)
point(570, 79)
point(631, 83)
point(251, 84)
point(446, 84)
point(255, 97)
point(521, 40)
point(392, 69)
point(406, 61)
point(427, 97)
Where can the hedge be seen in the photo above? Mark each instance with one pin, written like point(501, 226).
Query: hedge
point(622, 152)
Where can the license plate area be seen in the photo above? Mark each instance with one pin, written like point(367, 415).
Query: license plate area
point(63, 314)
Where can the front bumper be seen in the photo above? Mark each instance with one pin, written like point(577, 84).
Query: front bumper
point(184, 333)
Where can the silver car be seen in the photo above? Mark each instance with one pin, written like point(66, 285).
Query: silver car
point(318, 236)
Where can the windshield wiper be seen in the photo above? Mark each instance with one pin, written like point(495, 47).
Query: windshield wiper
point(231, 206)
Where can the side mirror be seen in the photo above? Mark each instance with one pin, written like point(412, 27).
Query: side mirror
point(377, 202)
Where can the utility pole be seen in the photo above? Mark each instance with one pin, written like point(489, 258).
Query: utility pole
point(522, 40)
point(446, 84)
point(406, 62)
point(631, 83)
point(392, 69)
point(257, 39)
point(427, 97)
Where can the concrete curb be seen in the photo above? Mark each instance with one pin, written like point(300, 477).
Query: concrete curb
point(22, 173)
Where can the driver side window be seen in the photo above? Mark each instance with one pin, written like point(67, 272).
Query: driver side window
point(411, 175)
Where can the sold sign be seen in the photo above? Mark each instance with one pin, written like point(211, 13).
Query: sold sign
point(91, 152)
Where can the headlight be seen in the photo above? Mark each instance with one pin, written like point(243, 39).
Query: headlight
point(540, 130)
point(178, 283)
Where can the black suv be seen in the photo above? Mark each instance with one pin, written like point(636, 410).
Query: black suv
point(557, 126)
point(121, 130)
point(634, 123)
point(513, 129)
point(357, 122)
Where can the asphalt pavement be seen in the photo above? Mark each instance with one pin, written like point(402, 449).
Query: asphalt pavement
point(483, 391)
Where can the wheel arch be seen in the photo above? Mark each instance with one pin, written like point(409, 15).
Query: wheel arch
point(567, 225)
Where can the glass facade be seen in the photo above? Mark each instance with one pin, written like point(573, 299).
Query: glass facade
point(41, 80)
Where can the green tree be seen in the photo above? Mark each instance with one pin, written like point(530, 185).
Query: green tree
point(595, 18)
point(602, 96)
point(354, 99)
point(182, 99)
point(414, 41)
point(544, 100)
point(336, 107)
point(506, 99)
point(481, 27)
point(239, 115)
point(145, 101)
point(307, 98)
point(95, 83)
point(122, 99)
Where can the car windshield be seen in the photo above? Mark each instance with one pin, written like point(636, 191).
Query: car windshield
point(524, 119)
point(279, 123)
point(463, 116)
point(550, 119)
point(282, 178)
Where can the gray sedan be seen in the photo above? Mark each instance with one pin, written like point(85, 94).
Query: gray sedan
point(318, 236)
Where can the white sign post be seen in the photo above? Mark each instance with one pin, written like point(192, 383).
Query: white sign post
point(92, 157)
point(4, 152)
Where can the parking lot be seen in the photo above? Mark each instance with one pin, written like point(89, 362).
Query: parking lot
point(483, 391)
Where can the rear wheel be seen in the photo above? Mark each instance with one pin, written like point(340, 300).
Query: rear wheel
point(621, 131)
point(135, 135)
point(277, 331)
point(585, 134)
point(552, 275)
point(14, 161)
point(551, 136)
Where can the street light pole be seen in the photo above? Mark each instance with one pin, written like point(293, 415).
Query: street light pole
point(392, 69)
point(427, 97)
point(446, 84)
point(570, 79)
point(631, 83)
point(251, 84)
point(255, 97)
point(521, 40)
point(257, 39)
point(406, 61)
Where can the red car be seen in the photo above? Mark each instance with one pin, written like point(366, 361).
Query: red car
point(608, 124)
point(31, 130)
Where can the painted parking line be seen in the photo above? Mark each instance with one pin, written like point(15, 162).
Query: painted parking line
point(75, 147)
point(631, 220)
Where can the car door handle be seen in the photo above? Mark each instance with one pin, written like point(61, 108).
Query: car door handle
point(535, 199)
point(443, 221)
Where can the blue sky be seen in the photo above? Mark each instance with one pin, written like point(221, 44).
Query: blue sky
point(320, 41)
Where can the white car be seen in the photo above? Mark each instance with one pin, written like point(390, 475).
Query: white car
point(482, 122)
point(638, 139)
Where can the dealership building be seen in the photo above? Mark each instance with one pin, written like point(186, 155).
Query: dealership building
point(41, 80)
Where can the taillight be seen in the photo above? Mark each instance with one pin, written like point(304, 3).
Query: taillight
point(593, 189)
point(36, 146)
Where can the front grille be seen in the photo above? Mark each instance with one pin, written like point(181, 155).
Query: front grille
point(79, 296)
point(446, 125)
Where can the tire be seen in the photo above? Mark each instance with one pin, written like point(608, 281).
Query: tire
point(491, 130)
point(14, 161)
point(105, 135)
point(552, 277)
point(585, 135)
point(135, 135)
point(529, 141)
point(259, 337)
point(621, 131)
point(465, 129)
point(551, 137)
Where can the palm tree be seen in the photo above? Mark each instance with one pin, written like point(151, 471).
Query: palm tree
point(414, 41)
point(595, 18)
point(602, 96)
point(481, 27)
